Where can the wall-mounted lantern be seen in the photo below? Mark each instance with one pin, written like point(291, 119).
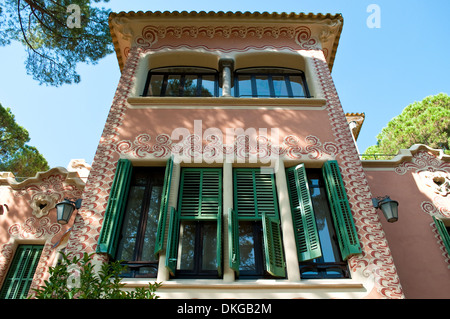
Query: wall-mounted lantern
point(388, 206)
point(65, 209)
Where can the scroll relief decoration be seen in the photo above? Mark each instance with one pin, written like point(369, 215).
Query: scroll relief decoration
point(47, 192)
point(376, 260)
point(435, 176)
point(301, 35)
point(259, 147)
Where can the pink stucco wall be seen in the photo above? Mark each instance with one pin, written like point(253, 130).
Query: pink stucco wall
point(418, 252)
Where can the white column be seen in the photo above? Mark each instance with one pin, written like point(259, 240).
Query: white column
point(226, 68)
point(287, 226)
point(226, 81)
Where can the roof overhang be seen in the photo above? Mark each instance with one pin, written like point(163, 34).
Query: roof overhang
point(355, 120)
point(318, 31)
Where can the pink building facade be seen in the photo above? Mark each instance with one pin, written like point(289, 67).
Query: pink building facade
point(227, 169)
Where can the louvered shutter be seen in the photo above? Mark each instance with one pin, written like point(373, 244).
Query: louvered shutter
point(233, 240)
point(254, 193)
point(306, 234)
point(112, 221)
point(255, 198)
point(200, 198)
point(159, 245)
point(200, 193)
point(172, 241)
point(443, 232)
point(219, 245)
point(21, 272)
point(340, 208)
point(273, 246)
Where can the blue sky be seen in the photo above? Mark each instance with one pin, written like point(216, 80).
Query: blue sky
point(377, 71)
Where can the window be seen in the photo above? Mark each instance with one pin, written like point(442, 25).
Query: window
point(182, 81)
point(256, 248)
point(270, 82)
point(20, 274)
point(139, 228)
point(135, 217)
point(444, 231)
point(134, 226)
point(325, 233)
point(195, 230)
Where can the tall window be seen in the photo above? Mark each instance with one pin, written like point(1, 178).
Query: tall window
point(133, 228)
point(138, 236)
point(325, 233)
point(256, 246)
point(195, 230)
point(182, 81)
point(270, 82)
point(21, 271)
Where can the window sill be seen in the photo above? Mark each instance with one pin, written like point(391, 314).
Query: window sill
point(224, 102)
point(248, 284)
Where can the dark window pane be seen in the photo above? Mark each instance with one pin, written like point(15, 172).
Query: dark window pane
point(324, 222)
point(187, 246)
point(173, 85)
point(152, 224)
point(190, 85)
point(246, 247)
point(209, 245)
point(208, 85)
point(156, 82)
point(297, 86)
point(131, 223)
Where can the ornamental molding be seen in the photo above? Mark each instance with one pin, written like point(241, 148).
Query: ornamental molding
point(439, 207)
point(35, 228)
point(211, 148)
point(423, 160)
point(46, 189)
point(301, 35)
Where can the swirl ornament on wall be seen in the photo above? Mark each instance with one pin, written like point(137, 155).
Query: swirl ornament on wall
point(302, 35)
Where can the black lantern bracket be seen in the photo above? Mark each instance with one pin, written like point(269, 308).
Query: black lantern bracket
point(65, 209)
point(388, 206)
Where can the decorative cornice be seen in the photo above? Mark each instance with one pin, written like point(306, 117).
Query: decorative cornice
point(406, 155)
point(7, 178)
point(121, 27)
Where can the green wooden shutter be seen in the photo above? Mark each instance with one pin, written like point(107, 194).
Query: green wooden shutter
point(219, 244)
point(305, 228)
point(112, 221)
point(172, 241)
point(21, 272)
point(254, 193)
point(443, 232)
point(159, 245)
point(273, 246)
point(200, 193)
point(340, 208)
point(233, 240)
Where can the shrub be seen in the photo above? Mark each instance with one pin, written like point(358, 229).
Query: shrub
point(76, 278)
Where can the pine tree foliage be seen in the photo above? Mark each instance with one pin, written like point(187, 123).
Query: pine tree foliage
point(425, 122)
point(15, 155)
point(57, 35)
